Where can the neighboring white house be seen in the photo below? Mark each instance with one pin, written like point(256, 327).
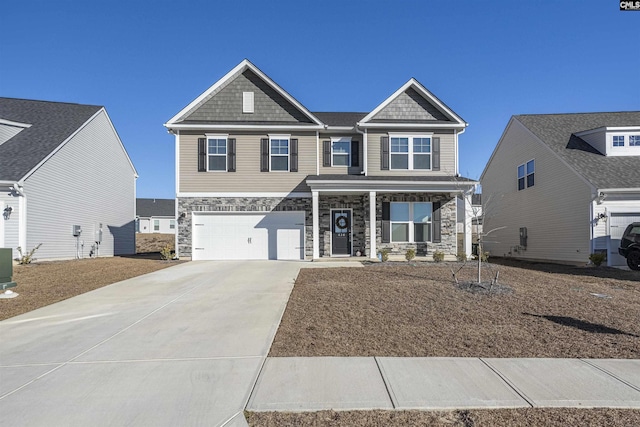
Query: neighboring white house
point(156, 216)
point(66, 181)
point(564, 186)
point(469, 217)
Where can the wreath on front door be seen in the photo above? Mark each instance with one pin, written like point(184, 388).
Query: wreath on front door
point(342, 223)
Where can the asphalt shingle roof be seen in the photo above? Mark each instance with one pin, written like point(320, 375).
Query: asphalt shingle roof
point(51, 124)
point(155, 207)
point(557, 131)
point(340, 119)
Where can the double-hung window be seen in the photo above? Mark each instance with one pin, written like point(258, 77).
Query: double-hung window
point(410, 152)
point(411, 221)
point(172, 224)
point(526, 175)
point(217, 153)
point(156, 225)
point(618, 140)
point(279, 153)
point(341, 152)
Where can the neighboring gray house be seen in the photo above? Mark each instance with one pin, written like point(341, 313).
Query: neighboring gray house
point(259, 176)
point(156, 216)
point(63, 165)
point(563, 186)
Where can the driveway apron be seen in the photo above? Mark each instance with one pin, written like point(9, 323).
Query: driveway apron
point(180, 346)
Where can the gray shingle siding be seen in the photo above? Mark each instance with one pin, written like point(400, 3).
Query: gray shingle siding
point(225, 105)
point(557, 132)
point(410, 105)
point(51, 124)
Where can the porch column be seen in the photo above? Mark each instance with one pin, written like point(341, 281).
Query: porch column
point(468, 224)
point(316, 224)
point(373, 251)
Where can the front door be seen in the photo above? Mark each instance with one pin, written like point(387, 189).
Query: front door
point(341, 232)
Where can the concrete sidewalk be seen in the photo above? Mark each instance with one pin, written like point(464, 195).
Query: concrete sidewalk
point(364, 383)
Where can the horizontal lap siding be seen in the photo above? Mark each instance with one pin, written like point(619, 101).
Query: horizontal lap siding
point(340, 170)
point(87, 182)
point(10, 225)
point(447, 154)
point(247, 177)
point(556, 210)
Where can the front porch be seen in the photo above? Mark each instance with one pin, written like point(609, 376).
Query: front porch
point(353, 216)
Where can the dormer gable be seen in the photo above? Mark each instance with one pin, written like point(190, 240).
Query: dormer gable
point(244, 97)
point(9, 129)
point(613, 141)
point(413, 106)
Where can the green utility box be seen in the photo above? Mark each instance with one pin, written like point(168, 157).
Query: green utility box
point(6, 269)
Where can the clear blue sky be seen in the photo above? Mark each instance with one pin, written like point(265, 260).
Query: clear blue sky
point(146, 60)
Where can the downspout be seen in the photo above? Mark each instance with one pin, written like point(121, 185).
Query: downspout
point(364, 149)
point(456, 149)
point(317, 152)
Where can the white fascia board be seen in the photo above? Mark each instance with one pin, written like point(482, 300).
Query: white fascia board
point(424, 92)
point(265, 194)
point(241, 67)
point(622, 129)
point(340, 128)
point(16, 124)
point(413, 125)
point(184, 126)
point(619, 190)
point(396, 186)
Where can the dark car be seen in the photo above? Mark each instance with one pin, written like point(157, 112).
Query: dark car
point(630, 245)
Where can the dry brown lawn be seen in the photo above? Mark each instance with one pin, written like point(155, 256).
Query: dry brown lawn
point(154, 242)
point(44, 283)
point(416, 311)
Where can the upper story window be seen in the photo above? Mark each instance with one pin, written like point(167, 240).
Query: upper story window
point(634, 140)
point(618, 140)
point(217, 153)
point(279, 153)
point(341, 152)
point(526, 174)
point(410, 152)
point(411, 221)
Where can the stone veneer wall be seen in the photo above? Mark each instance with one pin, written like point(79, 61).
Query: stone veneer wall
point(187, 205)
point(359, 204)
point(448, 242)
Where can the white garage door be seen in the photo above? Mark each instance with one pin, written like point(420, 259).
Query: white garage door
point(235, 235)
point(618, 223)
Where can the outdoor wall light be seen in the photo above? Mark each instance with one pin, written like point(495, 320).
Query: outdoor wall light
point(6, 214)
point(600, 216)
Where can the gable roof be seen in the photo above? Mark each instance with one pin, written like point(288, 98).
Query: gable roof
point(558, 131)
point(155, 207)
point(181, 120)
point(51, 124)
point(343, 119)
point(423, 107)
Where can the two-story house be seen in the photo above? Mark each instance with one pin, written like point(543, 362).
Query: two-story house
point(559, 187)
point(259, 176)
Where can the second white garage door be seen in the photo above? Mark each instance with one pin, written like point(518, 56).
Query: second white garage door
point(235, 235)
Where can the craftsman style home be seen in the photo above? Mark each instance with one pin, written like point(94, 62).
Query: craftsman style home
point(259, 176)
point(66, 181)
point(559, 187)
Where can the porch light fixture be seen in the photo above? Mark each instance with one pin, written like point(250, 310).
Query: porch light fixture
point(6, 214)
point(600, 216)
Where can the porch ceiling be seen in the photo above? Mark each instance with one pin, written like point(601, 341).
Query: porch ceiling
point(346, 184)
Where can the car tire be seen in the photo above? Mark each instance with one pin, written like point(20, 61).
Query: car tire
point(633, 260)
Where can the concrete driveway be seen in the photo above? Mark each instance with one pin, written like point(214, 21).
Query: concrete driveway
point(180, 346)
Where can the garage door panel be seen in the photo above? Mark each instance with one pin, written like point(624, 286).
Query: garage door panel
point(274, 235)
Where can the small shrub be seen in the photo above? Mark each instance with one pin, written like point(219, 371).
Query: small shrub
point(461, 256)
point(384, 254)
point(485, 256)
point(411, 254)
point(26, 258)
point(166, 253)
point(597, 258)
point(438, 256)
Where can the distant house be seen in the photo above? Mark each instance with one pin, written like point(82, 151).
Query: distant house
point(156, 216)
point(563, 186)
point(259, 176)
point(66, 181)
point(469, 215)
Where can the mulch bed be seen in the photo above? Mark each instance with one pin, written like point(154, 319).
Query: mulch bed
point(415, 310)
point(474, 418)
